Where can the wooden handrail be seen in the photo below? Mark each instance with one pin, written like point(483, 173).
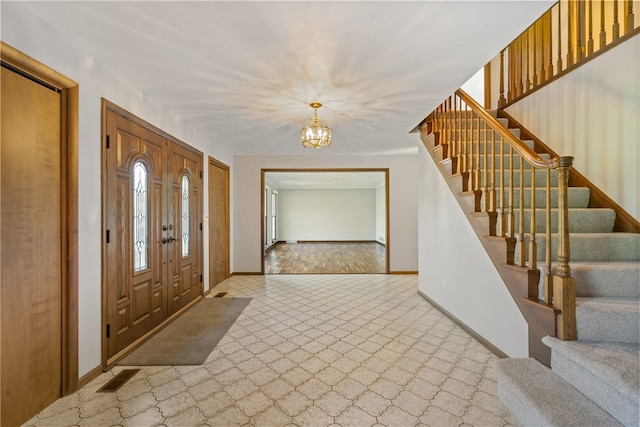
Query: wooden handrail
point(458, 122)
point(524, 150)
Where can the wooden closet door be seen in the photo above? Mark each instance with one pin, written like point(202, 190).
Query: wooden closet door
point(136, 294)
point(31, 256)
point(218, 222)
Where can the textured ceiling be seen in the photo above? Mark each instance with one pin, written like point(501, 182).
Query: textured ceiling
point(241, 74)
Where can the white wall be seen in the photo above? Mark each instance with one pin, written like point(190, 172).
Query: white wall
point(475, 86)
point(593, 114)
point(37, 39)
point(403, 216)
point(455, 270)
point(327, 214)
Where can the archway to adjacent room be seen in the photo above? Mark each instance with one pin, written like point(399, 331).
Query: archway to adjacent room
point(325, 221)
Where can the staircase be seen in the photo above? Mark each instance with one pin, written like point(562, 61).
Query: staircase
point(593, 380)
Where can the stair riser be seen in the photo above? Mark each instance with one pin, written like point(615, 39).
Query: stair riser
point(603, 394)
point(577, 197)
point(541, 178)
point(472, 132)
point(479, 163)
point(478, 144)
point(580, 220)
point(607, 282)
point(608, 324)
point(597, 247)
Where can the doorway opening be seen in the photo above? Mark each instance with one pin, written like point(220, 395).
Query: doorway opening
point(325, 221)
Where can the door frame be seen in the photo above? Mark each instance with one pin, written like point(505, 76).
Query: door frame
point(386, 184)
point(110, 106)
point(69, 89)
point(216, 163)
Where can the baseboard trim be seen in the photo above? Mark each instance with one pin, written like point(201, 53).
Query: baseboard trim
point(90, 376)
point(247, 273)
point(403, 272)
point(492, 348)
point(334, 241)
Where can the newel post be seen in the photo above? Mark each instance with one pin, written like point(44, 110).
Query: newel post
point(564, 286)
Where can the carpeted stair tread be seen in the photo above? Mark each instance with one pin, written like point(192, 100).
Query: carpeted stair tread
point(602, 279)
point(536, 396)
point(608, 319)
point(607, 373)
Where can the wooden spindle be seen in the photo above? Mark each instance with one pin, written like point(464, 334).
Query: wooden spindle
point(522, 249)
point(580, 50)
point(590, 39)
point(503, 216)
point(603, 32)
point(548, 44)
point(521, 73)
point(629, 18)
point(616, 24)
point(548, 280)
point(570, 35)
point(527, 59)
point(535, 54)
point(512, 216)
point(559, 62)
point(533, 245)
point(477, 169)
point(485, 184)
point(501, 100)
point(492, 182)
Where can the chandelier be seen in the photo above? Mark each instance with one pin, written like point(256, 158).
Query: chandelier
point(316, 135)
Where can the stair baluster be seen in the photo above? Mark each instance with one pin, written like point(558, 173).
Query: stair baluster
point(463, 128)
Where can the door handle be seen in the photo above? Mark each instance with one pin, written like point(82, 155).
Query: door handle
point(168, 240)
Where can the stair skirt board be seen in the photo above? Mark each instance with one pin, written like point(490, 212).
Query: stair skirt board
point(606, 373)
point(534, 395)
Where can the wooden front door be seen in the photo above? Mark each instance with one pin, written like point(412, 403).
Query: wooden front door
point(218, 222)
point(185, 228)
point(31, 250)
point(153, 244)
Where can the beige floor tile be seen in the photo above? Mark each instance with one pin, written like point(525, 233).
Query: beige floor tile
point(311, 351)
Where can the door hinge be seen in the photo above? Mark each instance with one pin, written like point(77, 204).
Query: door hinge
point(200, 174)
point(201, 278)
point(108, 330)
point(108, 236)
point(200, 226)
point(108, 141)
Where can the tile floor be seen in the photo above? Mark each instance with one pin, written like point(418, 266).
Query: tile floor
point(312, 350)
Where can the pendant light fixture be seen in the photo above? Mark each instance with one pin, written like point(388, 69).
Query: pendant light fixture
point(316, 135)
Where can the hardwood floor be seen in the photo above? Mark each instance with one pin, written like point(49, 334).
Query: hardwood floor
point(325, 258)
